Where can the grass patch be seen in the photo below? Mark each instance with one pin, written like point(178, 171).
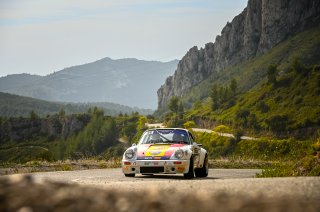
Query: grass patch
point(231, 163)
point(307, 166)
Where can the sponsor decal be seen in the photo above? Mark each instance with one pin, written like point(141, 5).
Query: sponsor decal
point(157, 150)
point(153, 152)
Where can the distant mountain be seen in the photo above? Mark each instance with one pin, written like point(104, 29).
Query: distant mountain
point(15, 106)
point(129, 82)
point(17, 80)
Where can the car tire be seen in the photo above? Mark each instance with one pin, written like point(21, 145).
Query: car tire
point(190, 173)
point(203, 172)
point(129, 175)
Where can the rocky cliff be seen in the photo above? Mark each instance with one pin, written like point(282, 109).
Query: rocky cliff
point(261, 25)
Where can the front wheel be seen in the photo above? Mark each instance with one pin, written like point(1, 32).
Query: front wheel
point(203, 172)
point(190, 173)
point(129, 175)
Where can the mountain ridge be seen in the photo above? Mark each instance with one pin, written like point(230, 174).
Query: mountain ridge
point(122, 81)
point(12, 105)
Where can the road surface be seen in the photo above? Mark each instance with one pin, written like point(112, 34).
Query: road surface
point(223, 190)
point(230, 181)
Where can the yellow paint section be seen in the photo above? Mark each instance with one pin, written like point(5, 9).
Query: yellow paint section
point(157, 150)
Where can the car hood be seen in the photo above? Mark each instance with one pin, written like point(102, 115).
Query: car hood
point(157, 151)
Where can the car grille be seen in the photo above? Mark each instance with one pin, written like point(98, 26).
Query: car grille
point(151, 169)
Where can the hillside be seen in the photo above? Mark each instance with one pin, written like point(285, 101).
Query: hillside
point(251, 73)
point(129, 82)
point(16, 106)
point(288, 107)
point(260, 27)
point(235, 90)
point(61, 136)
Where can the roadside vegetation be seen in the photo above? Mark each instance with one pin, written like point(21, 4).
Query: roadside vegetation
point(283, 112)
point(277, 157)
point(274, 97)
point(64, 140)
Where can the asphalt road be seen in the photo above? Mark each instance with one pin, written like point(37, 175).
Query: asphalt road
point(228, 181)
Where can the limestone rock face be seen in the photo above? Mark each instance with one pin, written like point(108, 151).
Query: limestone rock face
point(258, 28)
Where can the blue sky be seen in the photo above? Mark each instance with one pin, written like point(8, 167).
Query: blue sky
point(43, 36)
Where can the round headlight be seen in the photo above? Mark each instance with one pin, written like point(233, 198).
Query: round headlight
point(129, 154)
point(179, 154)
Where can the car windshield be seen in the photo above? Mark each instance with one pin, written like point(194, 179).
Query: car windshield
point(165, 136)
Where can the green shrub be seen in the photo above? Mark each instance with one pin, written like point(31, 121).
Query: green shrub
point(307, 166)
point(278, 170)
point(222, 129)
point(316, 146)
point(189, 124)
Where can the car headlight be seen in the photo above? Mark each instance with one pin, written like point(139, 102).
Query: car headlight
point(129, 154)
point(179, 154)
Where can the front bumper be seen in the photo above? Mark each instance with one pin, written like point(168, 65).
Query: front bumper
point(155, 166)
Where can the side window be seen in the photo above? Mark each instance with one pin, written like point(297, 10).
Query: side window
point(191, 137)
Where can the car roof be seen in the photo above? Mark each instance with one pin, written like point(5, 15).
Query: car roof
point(169, 128)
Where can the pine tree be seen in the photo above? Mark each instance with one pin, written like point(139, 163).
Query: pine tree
point(174, 104)
point(233, 86)
point(272, 74)
point(33, 115)
point(214, 94)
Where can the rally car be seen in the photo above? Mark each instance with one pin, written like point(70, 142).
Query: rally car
point(166, 151)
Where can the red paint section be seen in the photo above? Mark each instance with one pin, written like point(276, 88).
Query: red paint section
point(169, 152)
point(177, 145)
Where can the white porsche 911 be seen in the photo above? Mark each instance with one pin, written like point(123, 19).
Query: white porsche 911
point(166, 151)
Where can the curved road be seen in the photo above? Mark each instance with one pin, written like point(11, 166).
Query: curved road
point(228, 181)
